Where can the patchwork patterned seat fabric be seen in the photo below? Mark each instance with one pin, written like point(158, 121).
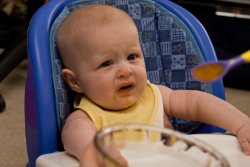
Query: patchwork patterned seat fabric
point(169, 48)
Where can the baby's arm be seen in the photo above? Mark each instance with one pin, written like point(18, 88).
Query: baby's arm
point(77, 137)
point(204, 107)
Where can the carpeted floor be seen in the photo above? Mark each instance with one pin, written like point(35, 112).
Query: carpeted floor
point(12, 134)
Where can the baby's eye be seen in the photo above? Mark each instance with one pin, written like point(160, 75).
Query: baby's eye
point(131, 57)
point(106, 63)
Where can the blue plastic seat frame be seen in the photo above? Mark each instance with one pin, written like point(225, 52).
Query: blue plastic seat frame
point(42, 134)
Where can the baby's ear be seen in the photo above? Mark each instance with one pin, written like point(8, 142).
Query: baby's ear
point(70, 78)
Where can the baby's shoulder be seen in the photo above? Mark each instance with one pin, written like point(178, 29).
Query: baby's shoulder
point(164, 89)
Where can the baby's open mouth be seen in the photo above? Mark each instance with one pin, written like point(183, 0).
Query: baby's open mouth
point(126, 87)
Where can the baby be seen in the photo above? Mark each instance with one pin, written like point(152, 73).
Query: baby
point(104, 64)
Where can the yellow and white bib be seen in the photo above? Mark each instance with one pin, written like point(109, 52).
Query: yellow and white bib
point(148, 110)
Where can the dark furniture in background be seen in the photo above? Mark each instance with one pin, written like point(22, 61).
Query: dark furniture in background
point(13, 40)
point(228, 25)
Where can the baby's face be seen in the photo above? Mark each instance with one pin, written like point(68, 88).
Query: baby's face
point(111, 69)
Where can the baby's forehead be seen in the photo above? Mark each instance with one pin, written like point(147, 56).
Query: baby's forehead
point(85, 20)
point(95, 15)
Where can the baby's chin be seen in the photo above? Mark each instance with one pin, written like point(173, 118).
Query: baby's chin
point(118, 103)
point(117, 107)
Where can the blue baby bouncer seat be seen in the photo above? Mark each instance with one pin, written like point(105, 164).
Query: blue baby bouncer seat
point(172, 40)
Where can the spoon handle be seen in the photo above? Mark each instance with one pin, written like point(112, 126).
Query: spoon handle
point(246, 56)
point(238, 60)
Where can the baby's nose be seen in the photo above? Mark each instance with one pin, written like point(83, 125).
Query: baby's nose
point(124, 71)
